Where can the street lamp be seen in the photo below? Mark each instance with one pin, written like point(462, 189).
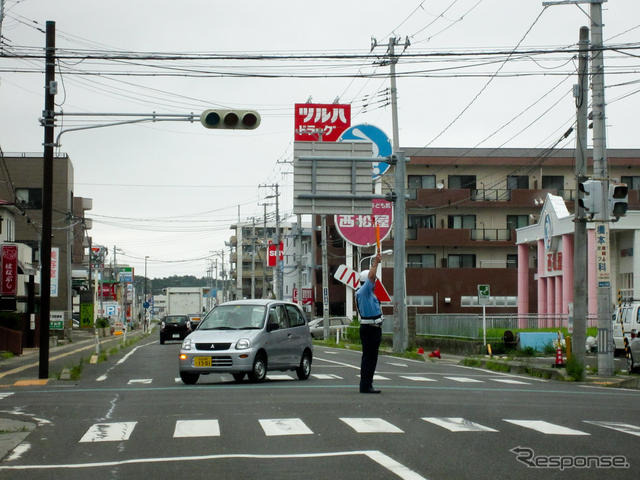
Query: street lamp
point(384, 252)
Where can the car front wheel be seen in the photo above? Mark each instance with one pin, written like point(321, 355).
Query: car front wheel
point(259, 371)
point(189, 378)
point(304, 370)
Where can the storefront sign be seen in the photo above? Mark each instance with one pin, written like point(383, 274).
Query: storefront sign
point(603, 274)
point(9, 270)
point(321, 122)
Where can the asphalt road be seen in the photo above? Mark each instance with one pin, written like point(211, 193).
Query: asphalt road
point(134, 418)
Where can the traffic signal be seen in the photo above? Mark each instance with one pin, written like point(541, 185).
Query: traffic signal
point(618, 199)
point(591, 198)
point(230, 119)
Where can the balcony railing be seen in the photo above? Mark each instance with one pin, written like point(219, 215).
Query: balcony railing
point(492, 234)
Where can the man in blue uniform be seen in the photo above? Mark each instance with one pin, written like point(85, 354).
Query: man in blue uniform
point(370, 326)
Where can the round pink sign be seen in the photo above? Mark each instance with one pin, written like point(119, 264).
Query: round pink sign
point(360, 230)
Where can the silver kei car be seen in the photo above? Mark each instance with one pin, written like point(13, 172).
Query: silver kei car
point(248, 337)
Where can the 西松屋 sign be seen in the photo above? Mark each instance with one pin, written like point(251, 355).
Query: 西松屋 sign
point(360, 230)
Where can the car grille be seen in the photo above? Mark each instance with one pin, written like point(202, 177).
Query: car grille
point(221, 362)
point(213, 346)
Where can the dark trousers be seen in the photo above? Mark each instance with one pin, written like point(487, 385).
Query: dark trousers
point(370, 336)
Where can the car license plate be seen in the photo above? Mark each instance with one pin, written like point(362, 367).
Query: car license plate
point(201, 361)
point(175, 335)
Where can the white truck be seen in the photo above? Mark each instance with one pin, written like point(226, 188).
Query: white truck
point(185, 300)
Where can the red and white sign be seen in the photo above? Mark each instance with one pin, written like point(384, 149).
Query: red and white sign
point(360, 230)
point(307, 296)
point(271, 254)
point(108, 291)
point(351, 278)
point(316, 122)
point(10, 270)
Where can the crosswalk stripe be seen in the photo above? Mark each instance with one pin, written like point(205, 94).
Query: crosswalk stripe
point(509, 380)
point(279, 377)
point(618, 426)
point(284, 426)
point(371, 425)
point(145, 381)
point(326, 376)
point(5, 395)
point(196, 428)
point(464, 379)
point(546, 427)
point(458, 424)
point(109, 432)
point(397, 364)
point(416, 378)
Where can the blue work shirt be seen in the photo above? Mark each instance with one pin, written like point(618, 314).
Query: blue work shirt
point(368, 303)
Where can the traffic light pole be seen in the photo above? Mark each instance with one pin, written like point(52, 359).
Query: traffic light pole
point(600, 170)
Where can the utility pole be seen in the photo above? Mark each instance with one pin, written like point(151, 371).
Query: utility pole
point(601, 171)
point(264, 264)
point(325, 280)
point(47, 198)
point(300, 264)
point(400, 326)
point(581, 94)
point(253, 259)
point(277, 277)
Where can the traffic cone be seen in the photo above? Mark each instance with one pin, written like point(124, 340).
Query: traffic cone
point(559, 360)
point(420, 351)
point(435, 353)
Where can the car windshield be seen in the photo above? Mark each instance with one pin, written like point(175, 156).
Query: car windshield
point(177, 320)
point(234, 317)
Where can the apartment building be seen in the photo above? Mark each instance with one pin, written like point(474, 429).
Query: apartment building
point(462, 213)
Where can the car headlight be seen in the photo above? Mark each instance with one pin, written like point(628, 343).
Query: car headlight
point(187, 344)
point(243, 344)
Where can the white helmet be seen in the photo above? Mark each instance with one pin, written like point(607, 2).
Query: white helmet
point(364, 275)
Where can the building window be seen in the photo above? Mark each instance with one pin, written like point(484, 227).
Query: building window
point(512, 260)
point(515, 182)
point(553, 182)
point(517, 221)
point(633, 183)
point(462, 221)
point(422, 181)
point(29, 197)
point(421, 260)
point(462, 181)
point(465, 260)
point(421, 221)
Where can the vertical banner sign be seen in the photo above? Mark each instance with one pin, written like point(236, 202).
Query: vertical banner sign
point(10, 270)
point(603, 274)
point(320, 122)
point(271, 254)
point(55, 264)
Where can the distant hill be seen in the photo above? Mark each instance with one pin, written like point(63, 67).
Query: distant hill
point(155, 285)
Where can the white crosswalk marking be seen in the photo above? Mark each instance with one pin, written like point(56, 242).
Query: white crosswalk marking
point(458, 424)
point(284, 426)
point(378, 377)
point(109, 432)
point(326, 376)
point(397, 364)
point(464, 379)
point(196, 428)
point(546, 427)
point(145, 381)
point(618, 426)
point(509, 380)
point(5, 395)
point(371, 425)
point(279, 377)
point(416, 378)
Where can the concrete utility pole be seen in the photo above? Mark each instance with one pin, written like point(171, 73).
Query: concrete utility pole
point(253, 259)
point(581, 94)
point(325, 280)
point(601, 171)
point(400, 326)
point(300, 263)
point(277, 276)
point(47, 198)
point(266, 255)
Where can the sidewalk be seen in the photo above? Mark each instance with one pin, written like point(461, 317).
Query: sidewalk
point(24, 369)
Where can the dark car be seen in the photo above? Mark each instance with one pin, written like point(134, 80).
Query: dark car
point(174, 327)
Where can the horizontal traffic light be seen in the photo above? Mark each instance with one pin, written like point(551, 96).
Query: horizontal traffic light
point(230, 119)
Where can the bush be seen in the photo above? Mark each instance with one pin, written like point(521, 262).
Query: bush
point(527, 352)
point(102, 323)
point(352, 334)
point(549, 349)
point(575, 369)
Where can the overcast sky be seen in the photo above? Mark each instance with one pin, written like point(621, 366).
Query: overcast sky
point(171, 190)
